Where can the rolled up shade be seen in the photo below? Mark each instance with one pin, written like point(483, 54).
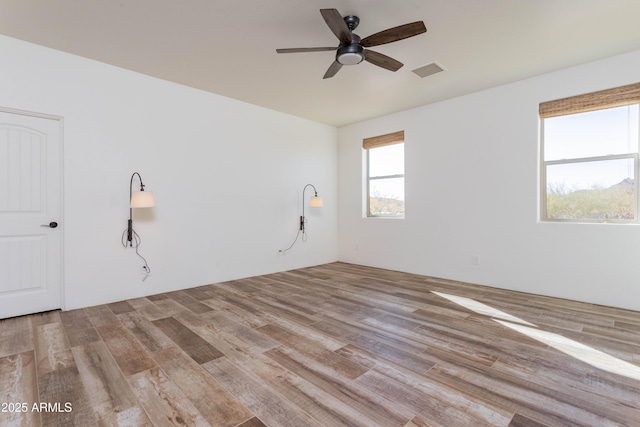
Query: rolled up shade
point(609, 98)
point(383, 140)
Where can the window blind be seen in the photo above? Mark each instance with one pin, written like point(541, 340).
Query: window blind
point(616, 97)
point(383, 140)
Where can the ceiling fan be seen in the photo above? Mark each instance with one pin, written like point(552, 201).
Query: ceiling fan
point(352, 50)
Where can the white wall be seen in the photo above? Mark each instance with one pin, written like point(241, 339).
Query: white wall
point(472, 189)
point(227, 177)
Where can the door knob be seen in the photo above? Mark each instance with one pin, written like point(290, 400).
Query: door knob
point(52, 224)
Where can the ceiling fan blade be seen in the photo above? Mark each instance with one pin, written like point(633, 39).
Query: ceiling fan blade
point(305, 49)
point(333, 69)
point(336, 23)
point(394, 34)
point(381, 60)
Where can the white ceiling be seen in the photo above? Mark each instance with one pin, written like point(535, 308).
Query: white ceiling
point(228, 47)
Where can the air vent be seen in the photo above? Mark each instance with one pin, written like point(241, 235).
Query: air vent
point(429, 69)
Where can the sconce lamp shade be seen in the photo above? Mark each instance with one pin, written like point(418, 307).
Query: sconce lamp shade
point(315, 202)
point(142, 199)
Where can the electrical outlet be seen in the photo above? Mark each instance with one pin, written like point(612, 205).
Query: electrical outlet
point(144, 270)
point(475, 259)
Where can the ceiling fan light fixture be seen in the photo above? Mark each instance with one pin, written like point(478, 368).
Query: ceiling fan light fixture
point(350, 54)
point(350, 58)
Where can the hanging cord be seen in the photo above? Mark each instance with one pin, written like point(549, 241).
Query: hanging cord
point(138, 240)
point(303, 221)
point(294, 242)
point(302, 231)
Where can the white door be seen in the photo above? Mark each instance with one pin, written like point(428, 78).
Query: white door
point(30, 208)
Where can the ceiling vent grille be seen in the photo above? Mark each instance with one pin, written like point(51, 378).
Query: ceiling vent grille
point(429, 69)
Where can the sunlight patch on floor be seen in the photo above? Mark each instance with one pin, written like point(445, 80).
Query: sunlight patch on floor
point(575, 349)
point(481, 308)
point(579, 351)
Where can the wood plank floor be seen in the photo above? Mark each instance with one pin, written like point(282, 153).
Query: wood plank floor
point(331, 345)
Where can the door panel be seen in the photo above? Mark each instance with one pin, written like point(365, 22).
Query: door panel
point(30, 198)
point(22, 263)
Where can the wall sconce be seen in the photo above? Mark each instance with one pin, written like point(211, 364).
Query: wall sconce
point(137, 199)
point(314, 202)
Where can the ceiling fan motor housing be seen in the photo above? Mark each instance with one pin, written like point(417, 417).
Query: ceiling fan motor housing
point(350, 53)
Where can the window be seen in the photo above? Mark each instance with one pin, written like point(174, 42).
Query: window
point(385, 175)
point(589, 157)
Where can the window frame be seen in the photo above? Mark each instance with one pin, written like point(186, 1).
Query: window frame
point(543, 188)
point(595, 101)
point(372, 143)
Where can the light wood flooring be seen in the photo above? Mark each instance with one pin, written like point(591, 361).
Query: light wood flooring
point(331, 345)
